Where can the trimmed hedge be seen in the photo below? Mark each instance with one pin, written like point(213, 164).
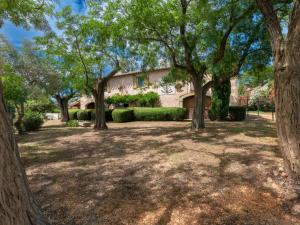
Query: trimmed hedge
point(237, 113)
point(123, 115)
point(84, 114)
point(73, 114)
point(108, 115)
point(32, 121)
point(159, 114)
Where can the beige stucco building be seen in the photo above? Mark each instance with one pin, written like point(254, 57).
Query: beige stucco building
point(178, 95)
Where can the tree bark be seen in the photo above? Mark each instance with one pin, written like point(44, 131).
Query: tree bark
point(286, 57)
point(63, 103)
point(98, 93)
point(17, 206)
point(198, 116)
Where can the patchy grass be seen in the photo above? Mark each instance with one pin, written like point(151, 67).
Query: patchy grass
point(158, 173)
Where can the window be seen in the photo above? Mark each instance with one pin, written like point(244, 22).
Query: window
point(140, 81)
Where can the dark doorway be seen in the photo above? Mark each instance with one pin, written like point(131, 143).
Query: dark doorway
point(90, 106)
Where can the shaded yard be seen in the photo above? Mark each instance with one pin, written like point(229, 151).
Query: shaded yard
point(158, 173)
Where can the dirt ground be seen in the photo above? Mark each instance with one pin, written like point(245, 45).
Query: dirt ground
point(160, 173)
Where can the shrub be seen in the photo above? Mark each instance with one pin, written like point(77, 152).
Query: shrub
point(108, 115)
point(159, 114)
point(32, 121)
point(149, 99)
point(55, 110)
point(73, 114)
point(237, 113)
point(40, 106)
point(84, 115)
point(72, 123)
point(122, 115)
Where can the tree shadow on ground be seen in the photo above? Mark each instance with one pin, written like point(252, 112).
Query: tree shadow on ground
point(156, 173)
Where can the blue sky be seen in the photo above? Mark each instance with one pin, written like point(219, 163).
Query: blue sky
point(16, 35)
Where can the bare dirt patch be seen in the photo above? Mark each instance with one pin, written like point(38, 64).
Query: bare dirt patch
point(159, 173)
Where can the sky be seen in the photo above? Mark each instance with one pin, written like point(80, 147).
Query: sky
point(16, 35)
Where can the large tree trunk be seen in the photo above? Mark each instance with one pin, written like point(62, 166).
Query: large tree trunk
point(98, 93)
point(17, 206)
point(198, 115)
point(63, 105)
point(286, 56)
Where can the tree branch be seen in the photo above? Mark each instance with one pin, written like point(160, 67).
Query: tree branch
point(272, 22)
point(232, 23)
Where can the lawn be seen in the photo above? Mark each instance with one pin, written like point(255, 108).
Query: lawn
point(158, 173)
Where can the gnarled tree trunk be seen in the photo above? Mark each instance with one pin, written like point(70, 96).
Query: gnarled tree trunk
point(198, 115)
point(98, 93)
point(63, 105)
point(17, 206)
point(286, 56)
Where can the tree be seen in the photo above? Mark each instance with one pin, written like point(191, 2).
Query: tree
point(54, 75)
point(286, 57)
point(183, 29)
point(248, 50)
point(16, 200)
point(95, 48)
point(14, 86)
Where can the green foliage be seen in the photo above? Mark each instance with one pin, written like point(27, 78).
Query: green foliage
point(122, 115)
point(84, 114)
point(73, 114)
point(159, 114)
point(220, 100)
point(108, 115)
point(149, 99)
point(237, 113)
point(39, 106)
point(14, 89)
point(25, 13)
point(72, 123)
point(255, 76)
point(32, 121)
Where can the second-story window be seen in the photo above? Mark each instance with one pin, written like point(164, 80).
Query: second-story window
point(140, 81)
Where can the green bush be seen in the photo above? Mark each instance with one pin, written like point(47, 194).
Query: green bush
point(237, 113)
point(149, 99)
point(72, 123)
point(73, 114)
point(108, 115)
point(84, 115)
point(122, 115)
point(159, 114)
point(55, 110)
point(32, 121)
point(40, 106)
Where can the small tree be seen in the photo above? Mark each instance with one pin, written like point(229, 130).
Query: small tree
point(95, 48)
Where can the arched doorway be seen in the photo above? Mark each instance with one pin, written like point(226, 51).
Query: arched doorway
point(90, 106)
point(189, 104)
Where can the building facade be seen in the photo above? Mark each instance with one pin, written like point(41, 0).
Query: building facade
point(177, 95)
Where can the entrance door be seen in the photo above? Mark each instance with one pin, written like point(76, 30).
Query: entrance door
point(189, 104)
